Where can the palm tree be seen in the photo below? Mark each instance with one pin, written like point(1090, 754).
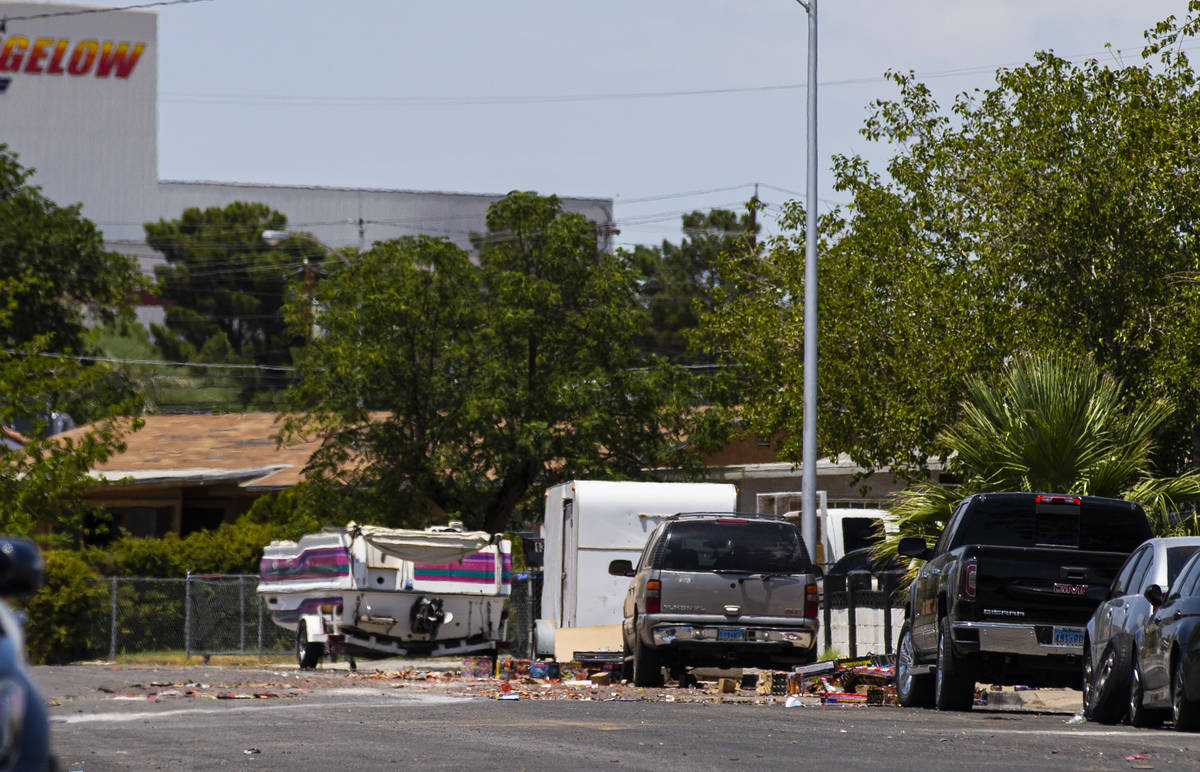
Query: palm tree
point(1055, 425)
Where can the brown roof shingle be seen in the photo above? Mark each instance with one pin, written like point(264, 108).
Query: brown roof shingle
point(205, 446)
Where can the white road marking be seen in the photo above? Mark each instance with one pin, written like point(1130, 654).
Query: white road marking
point(260, 705)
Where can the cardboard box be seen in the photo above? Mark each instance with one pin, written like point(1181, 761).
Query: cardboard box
point(475, 668)
point(568, 640)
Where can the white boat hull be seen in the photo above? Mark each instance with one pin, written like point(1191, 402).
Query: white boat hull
point(336, 590)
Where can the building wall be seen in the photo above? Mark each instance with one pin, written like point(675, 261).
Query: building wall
point(91, 137)
point(332, 215)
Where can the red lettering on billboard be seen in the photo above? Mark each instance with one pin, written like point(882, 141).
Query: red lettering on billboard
point(37, 53)
point(55, 66)
point(48, 56)
point(120, 57)
point(83, 57)
point(13, 53)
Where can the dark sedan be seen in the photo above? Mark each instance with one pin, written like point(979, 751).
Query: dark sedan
point(1165, 682)
point(1112, 632)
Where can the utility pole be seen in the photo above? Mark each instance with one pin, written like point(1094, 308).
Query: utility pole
point(309, 292)
point(808, 453)
point(754, 221)
point(603, 231)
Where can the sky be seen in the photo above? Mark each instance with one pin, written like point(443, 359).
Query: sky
point(665, 106)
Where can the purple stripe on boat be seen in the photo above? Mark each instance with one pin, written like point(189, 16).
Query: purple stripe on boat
point(307, 606)
point(324, 563)
point(479, 568)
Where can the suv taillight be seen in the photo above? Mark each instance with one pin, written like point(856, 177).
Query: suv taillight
point(967, 578)
point(653, 596)
point(810, 601)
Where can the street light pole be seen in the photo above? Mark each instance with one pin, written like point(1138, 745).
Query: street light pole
point(808, 453)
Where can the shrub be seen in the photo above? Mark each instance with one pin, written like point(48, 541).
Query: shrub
point(64, 615)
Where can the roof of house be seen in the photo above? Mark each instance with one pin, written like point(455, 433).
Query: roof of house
point(208, 447)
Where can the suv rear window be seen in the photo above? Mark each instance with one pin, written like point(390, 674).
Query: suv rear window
point(1012, 522)
point(752, 546)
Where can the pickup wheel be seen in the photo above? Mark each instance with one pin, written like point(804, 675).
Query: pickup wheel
point(1185, 712)
point(1139, 715)
point(1107, 682)
point(307, 654)
point(912, 690)
point(646, 668)
point(954, 678)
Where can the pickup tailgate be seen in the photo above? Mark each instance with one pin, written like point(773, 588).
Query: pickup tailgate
point(1036, 585)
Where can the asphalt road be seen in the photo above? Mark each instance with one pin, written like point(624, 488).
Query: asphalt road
point(208, 718)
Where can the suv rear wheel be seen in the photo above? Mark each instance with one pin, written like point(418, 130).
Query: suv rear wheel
point(646, 668)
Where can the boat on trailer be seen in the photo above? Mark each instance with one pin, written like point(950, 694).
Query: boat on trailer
point(369, 591)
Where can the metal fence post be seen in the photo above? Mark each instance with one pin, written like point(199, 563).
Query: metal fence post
point(889, 586)
point(241, 617)
point(187, 615)
point(827, 602)
point(852, 618)
point(112, 637)
point(259, 602)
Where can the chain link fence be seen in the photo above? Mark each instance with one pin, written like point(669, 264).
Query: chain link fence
point(524, 607)
point(201, 614)
point(207, 614)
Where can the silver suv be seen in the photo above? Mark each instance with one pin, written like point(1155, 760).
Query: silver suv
point(718, 590)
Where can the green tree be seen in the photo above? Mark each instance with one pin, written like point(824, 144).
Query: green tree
point(44, 481)
point(1055, 425)
point(226, 287)
point(680, 279)
point(54, 267)
point(439, 384)
point(1054, 211)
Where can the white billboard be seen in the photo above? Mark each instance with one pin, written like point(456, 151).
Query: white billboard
point(78, 98)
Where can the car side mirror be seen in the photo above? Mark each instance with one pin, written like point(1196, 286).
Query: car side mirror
point(913, 547)
point(621, 568)
point(1154, 594)
point(21, 567)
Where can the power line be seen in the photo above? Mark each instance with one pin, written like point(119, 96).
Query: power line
point(527, 99)
point(155, 362)
point(83, 11)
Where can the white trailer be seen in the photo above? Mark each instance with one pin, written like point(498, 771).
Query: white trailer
point(589, 523)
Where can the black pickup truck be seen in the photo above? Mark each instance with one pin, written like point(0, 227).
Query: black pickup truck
point(1004, 595)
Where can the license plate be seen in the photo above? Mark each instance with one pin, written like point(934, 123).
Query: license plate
point(731, 633)
point(1068, 636)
